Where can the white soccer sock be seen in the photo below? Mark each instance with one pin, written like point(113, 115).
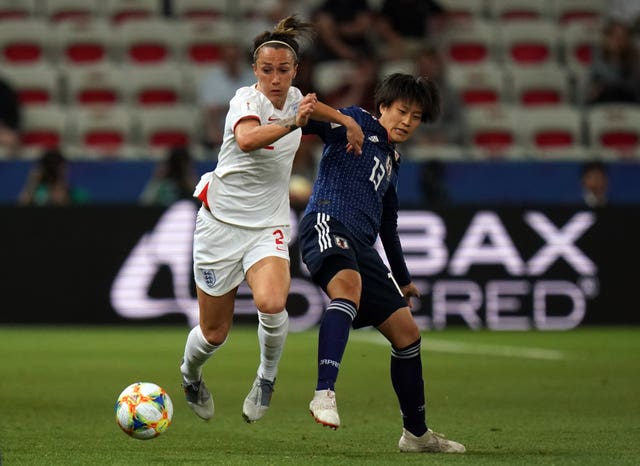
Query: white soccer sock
point(197, 351)
point(272, 333)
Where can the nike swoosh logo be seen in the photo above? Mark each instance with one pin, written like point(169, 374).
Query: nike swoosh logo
point(273, 119)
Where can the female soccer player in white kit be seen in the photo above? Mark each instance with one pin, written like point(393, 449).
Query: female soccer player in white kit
point(242, 227)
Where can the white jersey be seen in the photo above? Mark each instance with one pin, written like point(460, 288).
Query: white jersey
point(251, 189)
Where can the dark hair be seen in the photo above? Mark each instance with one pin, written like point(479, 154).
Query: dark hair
point(406, 88)
point(593, 165)
point(178, 162)
point(287, 31)
point(51, 162)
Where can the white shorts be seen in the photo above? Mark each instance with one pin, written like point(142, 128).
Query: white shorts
point(223, 253)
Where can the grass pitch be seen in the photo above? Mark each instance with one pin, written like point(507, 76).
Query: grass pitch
point(511, 398)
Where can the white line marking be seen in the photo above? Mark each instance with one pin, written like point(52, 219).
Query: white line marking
point(458, 347)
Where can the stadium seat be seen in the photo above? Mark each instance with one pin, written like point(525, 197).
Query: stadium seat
point(200, 42)
point(90, 86)
point(529, 42)
point(119, 11)
point(578, 40)
point(43, 127)
point(24, 41)
point(478, 85)
point(17, 9)
point(37, 84)
point(494, 132)
point(83, 42)
point(470, 42)
point(534, 86)
point(464, 9)
point(200, 9)
point(614, 130)
point(567, 11)
point(164, 127)
point(69, 10)
point(155, 85)
point(507, 10)
point(147, 41)
point(100, 132)
point(329, 76)
point(553, 133)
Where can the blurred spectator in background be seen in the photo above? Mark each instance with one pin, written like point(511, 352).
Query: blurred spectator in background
point(218, 87)
point(595, 183)
point(358, 86)
point(627, 11)
point(614, 75)
point(48, 184)
point(344, 29)
point(405, 24)
point(173, 179)
point(451, 127)
point(300, 188)
point(10, 118)
point(433, 185)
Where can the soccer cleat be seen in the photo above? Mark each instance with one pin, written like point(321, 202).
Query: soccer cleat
point(324, 410)
point(198, 398)
point(429, 442)
point(257, 401)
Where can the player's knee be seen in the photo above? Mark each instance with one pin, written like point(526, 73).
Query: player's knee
point(271, 304)
point(215, 335)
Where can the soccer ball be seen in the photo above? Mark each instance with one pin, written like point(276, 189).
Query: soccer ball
point(144, 410)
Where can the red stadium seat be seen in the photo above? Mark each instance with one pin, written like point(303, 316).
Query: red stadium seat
point(155, 85)
point(69, 10)
point(529, 42)
point(201, 40)
point(99, 132)
point(120, 11)
point(200, 9)
point(567, 11)
point(478, 85)
point(24, 41)
point(470, 42)
point(147, 42)
point(553, 133)
point(164, 127)
point(493, 131)
point(17, 9)
point(43, 127)
point(37, 84)
point(536, 86)
point(614, 130)
point(83, 42)
point(89, 86)
point(507, 10)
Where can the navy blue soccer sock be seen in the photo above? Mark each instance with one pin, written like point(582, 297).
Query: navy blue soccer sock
point(406, 377)
point(332, 340)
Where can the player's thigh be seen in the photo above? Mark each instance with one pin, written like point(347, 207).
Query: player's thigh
point(218, 251)
point(381, 296)
point(267, 268)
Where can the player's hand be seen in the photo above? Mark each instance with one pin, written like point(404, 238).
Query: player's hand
point(410, 291)
point(306, 108)
point(355, 138)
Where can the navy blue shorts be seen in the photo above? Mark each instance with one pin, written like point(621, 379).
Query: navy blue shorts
point(327, 247)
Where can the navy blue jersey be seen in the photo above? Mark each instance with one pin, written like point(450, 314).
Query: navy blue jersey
point(360, 191)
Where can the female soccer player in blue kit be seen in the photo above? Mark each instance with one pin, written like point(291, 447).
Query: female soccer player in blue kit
point(354, 200)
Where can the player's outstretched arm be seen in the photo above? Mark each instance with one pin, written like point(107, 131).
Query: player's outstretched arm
point(355, 136)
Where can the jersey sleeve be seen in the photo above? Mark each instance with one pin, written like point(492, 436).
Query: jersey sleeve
point(245, 104)
point(390, 238)
point(331, 132)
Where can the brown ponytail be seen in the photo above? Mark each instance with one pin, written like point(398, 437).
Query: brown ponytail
point(284, 34)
